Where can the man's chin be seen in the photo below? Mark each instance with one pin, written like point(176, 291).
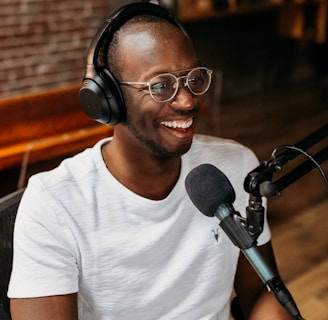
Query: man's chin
point(169, 153)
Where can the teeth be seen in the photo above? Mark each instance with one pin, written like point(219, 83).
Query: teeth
point(177, 124)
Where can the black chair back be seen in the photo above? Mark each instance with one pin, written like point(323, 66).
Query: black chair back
point(8, 209)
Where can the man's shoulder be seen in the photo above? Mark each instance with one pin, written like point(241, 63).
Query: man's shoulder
point(221, 152)
point(205, 142)
point(72, 170)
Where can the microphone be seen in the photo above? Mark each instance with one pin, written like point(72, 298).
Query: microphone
point(212, 193)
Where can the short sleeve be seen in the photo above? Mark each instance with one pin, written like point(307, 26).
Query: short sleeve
point(44, 261)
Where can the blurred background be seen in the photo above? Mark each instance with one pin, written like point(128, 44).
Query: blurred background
point(270, 62)
point(258, 45)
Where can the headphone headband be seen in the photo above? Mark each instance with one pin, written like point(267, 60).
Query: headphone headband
point(100, 95)
point(120, 17)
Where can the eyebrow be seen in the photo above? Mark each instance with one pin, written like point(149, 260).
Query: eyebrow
point(197, 64)
point(158, 74)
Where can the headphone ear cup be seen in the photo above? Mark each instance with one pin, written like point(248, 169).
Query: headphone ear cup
point(101, 98)
point(116, 102)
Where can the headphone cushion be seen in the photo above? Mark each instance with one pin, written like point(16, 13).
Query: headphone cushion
point(102, 99)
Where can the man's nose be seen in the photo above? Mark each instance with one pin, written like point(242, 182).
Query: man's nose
point(184, 98)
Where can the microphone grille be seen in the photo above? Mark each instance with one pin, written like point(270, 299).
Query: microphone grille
point(208, 188)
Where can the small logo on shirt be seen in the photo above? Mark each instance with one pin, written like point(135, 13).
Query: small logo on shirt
point(216, 234)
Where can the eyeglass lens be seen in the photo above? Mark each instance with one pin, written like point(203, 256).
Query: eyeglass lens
point(164, 87)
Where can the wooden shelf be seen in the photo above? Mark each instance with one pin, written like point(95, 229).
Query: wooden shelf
point(304, 20)
point(189, 10)
point(297, 19)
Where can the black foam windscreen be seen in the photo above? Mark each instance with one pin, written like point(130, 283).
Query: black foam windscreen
point(208, 188)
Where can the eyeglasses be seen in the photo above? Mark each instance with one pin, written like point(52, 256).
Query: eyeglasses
point(164, 87)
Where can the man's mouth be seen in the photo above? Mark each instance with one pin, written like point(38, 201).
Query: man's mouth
point(178, 124)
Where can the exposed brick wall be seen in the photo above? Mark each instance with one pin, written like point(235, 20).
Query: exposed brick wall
point(43, 43)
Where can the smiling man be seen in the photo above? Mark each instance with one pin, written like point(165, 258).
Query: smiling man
point(111, 232)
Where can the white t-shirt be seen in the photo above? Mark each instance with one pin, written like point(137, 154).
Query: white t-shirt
point(79, 230)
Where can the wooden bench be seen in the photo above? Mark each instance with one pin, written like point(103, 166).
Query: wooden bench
point(44, 125)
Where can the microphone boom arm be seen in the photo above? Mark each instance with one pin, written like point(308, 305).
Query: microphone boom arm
point(259, 183)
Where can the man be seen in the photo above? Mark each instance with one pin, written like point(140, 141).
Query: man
point(111, 233)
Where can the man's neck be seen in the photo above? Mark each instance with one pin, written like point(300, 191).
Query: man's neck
point(141, 172)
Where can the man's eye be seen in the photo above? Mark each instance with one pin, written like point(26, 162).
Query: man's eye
point(159, 88)
point(195, 80)
point(195, 83)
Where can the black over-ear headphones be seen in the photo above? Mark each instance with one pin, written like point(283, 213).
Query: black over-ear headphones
point(100, 95)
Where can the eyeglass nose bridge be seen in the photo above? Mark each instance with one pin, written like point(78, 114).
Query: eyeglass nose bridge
point(185, 84)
